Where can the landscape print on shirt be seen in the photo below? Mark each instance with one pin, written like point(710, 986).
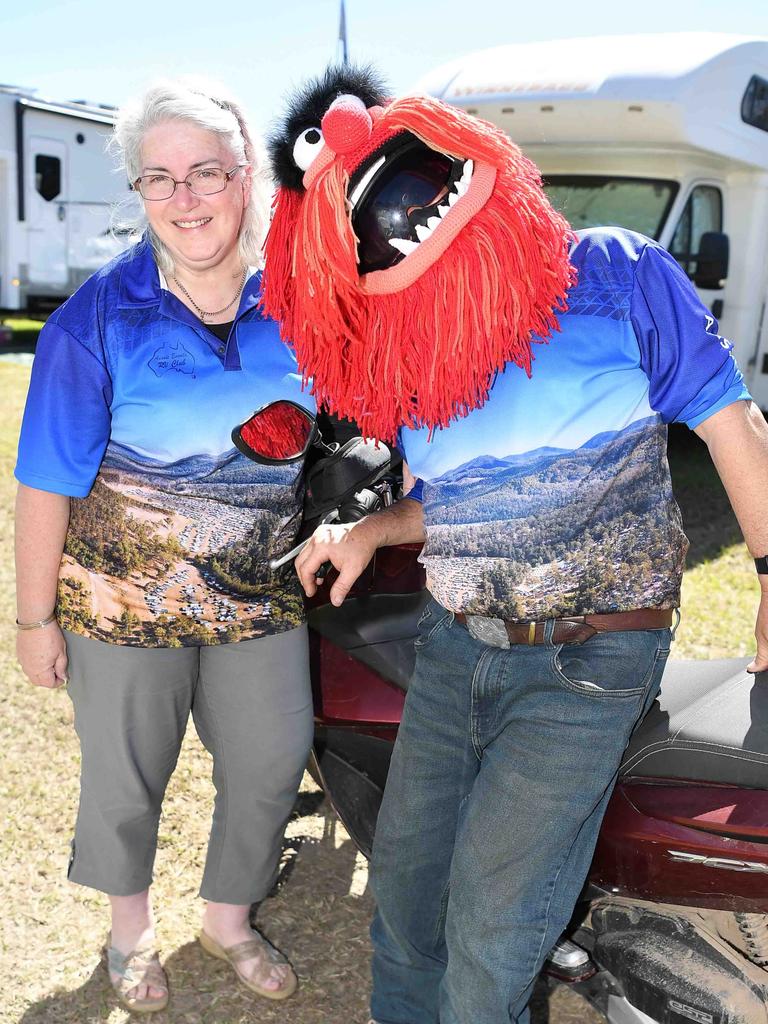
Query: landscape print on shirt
point(172, 554)
point(558, 531)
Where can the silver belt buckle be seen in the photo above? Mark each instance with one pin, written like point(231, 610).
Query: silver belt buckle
point(488, 631)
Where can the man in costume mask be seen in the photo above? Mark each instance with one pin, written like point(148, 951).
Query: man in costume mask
point(527, 374)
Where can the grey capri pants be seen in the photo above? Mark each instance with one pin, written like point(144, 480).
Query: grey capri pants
point(252, 707)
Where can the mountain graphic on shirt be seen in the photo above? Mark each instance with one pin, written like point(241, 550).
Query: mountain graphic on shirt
point(488, 488)
point(593, 528)
point(231, 467)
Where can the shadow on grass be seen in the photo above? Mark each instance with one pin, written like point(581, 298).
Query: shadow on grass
point(202, 991)
point(539, 1004)
point(708, 519)
point(89, 1004)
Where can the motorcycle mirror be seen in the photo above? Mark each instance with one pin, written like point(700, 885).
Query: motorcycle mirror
point(279, 432)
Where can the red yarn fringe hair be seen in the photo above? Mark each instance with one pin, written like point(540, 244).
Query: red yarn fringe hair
point(426, 354)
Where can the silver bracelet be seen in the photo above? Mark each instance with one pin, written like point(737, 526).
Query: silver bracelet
point(36, 625)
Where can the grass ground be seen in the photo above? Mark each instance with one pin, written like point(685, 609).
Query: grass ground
point(51, 931)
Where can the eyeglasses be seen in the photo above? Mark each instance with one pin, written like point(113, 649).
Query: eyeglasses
point(205, 182)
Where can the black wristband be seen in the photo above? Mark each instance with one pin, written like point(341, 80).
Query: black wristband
point(761, 564)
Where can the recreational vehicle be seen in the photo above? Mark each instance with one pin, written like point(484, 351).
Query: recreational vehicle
point(662, 134)
point(57, 187)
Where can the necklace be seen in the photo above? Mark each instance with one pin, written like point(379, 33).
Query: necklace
point(202, 313)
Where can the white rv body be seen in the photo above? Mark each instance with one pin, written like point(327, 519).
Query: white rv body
point(673, 126)
point(57, 189)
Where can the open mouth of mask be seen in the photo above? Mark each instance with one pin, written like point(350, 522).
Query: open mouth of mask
point(399, 196)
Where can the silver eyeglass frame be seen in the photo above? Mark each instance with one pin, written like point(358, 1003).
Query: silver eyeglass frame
point(135, 185)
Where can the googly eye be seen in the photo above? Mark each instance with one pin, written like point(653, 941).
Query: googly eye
point(306, 147)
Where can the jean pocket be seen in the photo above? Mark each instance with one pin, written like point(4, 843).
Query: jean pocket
point(612, 665)
point(433, 619)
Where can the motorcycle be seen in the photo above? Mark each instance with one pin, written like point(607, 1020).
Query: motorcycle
point(672, 924)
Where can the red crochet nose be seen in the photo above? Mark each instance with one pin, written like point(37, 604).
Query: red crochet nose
point(347, 125)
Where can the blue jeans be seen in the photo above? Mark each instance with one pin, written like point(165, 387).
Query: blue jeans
point(503, 767)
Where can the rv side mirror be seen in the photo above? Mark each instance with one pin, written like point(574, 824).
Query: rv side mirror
point(712, 260)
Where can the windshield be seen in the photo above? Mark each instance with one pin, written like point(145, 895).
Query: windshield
point(639, 204)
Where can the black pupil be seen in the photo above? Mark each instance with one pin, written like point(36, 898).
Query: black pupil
point(312, 136)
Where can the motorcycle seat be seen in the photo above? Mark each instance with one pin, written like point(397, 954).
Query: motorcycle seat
point(709, 724)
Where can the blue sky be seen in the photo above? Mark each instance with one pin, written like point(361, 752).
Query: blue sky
point(525, 414)
point(75, 49)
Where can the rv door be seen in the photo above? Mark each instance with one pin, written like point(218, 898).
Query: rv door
point(47, 194)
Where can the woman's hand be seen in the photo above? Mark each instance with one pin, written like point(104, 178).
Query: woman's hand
point(42, 654)
point(41, 527)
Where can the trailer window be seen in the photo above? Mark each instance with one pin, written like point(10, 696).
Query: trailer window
point(47, 176)
point(589, 201)
point(754, 106)
point(703, 212)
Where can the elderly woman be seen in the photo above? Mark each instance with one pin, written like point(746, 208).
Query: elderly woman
point(143, 539)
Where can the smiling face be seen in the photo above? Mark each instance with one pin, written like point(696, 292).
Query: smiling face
point(412, 254)
point(200, 232)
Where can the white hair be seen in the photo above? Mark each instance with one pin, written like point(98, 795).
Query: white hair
point(209, 106)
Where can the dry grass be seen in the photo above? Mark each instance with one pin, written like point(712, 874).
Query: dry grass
point(52, 931)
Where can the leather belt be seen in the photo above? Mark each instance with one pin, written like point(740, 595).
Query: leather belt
point(576, 629)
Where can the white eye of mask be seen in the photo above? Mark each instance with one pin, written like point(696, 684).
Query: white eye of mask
point(306, 147)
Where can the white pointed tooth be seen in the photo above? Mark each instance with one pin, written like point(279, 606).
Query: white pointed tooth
point(423, 232)
point(466, 174)
point(360, 186)
point(453, 198)
point(404, 245)
point(442, 210)
point(461, 187)
point(433, 222)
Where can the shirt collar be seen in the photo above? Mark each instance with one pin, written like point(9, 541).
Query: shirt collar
point(142, 284)
point(139, 282)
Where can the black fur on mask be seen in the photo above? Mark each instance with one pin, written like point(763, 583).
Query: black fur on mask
point(307, 106)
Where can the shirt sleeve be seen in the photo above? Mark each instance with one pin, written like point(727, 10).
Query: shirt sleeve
point(66, 424)
point(691, 369)
point(416, 493)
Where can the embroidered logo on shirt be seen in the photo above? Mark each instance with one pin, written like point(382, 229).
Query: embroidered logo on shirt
point(172, 357)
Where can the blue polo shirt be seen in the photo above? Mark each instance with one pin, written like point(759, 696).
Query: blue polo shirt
point(130, 412)
point(555, 497)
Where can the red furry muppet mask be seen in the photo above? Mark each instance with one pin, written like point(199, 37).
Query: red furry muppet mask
point(412, 253)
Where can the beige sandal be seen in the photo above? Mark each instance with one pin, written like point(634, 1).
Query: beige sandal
point(257, 946)
point(140, 967)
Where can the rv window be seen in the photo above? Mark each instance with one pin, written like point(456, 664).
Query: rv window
point(754, 106)
point(703, 212)
point(589, 201)
point(48, 176)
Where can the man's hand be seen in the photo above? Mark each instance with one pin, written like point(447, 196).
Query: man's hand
point(349, 548)
point(760, 661)
point(42, 654)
